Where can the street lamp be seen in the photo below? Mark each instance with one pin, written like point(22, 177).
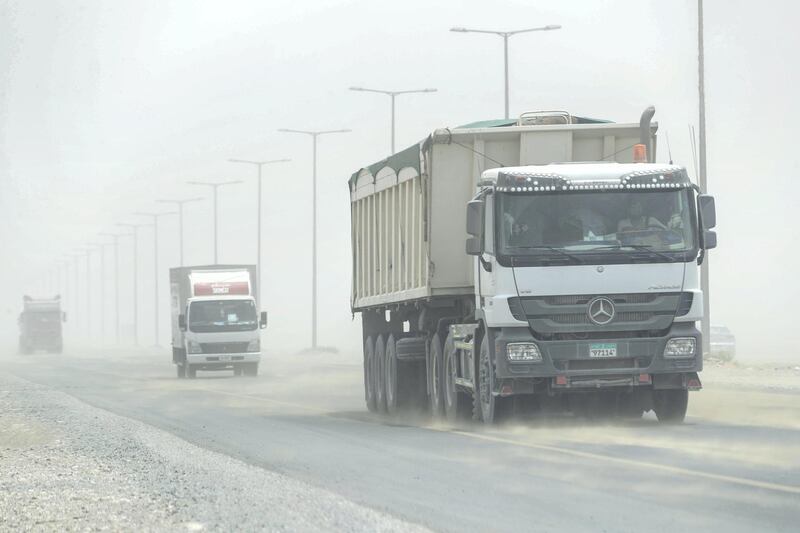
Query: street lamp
point(505, 35)
point(135, 229)
point(155, 216)
point(314, 135)
point(180, 203)
point(115, 244)
point(214, 186)
point(259, 164)
point(101, 248)
point(392, 94)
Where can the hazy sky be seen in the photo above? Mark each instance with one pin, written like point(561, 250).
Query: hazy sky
point(106, 106)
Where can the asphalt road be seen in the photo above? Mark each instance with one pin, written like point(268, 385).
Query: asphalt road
point(733, 466)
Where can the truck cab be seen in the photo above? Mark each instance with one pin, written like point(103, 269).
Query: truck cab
point(587, 280)
point(40, 325)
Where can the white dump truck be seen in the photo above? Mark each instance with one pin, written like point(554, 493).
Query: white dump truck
point(216, 324)
point(544, 263)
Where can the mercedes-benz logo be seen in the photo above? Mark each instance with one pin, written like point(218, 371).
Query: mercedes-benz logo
point(601, 310)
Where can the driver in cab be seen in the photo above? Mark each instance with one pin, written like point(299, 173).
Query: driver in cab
point(637, 220)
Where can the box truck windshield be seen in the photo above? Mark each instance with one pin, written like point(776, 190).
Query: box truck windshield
point(662, 223)
point(222, 315)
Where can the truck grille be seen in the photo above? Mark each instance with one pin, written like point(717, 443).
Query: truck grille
point(568, 314)
point(635, 298)
point(223, 347)
point(619, 317)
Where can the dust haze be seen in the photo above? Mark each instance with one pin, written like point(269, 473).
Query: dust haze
point(107, 107)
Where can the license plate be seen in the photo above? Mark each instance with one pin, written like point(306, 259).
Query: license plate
point(225, 358)
point(602, 350)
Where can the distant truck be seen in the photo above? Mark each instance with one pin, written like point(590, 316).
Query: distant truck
point(545, 261)
point(40, 325)
point(215, 319)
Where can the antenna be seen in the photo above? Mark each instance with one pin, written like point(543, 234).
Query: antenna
point(669, 149)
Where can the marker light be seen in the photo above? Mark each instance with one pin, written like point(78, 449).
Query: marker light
point(639, 153)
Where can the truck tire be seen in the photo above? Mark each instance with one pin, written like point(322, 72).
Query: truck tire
point(391, 378)
point(435, 382)
point(380, 386)
point(492, 408)
point(369, 381)
point(191, 371)
point(670, 405)
point(457, 404)
point(238, 370)
point(250, 369)
point(181, 371)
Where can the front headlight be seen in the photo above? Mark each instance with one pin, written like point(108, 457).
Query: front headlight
point(523, 352)
point(680, 347)
point(193, 347)
point(254, 345)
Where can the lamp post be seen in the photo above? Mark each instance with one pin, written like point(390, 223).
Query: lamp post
point(115, 243)
point(101, 248)
point(135, 229)
point(180, 203)
point(214, 187)
point(505, 35)
point(392, 95)
point(705, 323)
point(258, 164)
point(155, 217)
point(314, 135)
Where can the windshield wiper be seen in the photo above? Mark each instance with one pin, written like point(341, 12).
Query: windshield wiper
point(552, 249)
point(643, 247)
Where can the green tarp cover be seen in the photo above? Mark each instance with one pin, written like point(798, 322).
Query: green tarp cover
point(402, 159)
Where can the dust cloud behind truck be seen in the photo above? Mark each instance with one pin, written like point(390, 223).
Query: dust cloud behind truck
point(578, 289)
point(216, 321)
point(40, 325)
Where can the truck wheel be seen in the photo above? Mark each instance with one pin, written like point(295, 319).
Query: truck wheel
point(369, 382)
point(181, 371)
point(238, 370)
point(250, 370)
point(391, 378)
point(492, 408)
point(457, 404)
point(380, 385)
point(436, 401)
point(670, 405)
point(191, 371)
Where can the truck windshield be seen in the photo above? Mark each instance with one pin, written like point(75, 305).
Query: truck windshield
point(43, 319)
point(659, 225)
point(222, 315)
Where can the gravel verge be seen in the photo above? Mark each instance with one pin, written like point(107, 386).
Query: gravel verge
point(67, 466)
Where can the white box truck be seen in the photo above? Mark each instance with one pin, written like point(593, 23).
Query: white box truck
point(578, 289)
point(215, 319)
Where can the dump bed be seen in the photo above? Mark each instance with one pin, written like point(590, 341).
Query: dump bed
point(408, 211)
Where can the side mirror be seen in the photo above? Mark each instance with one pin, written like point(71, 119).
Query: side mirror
point(475, 218)
point(63, 316)
point(263, 322)
point(473, 246)
point(709, 240)
point(707, 210)
point(182, 322)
